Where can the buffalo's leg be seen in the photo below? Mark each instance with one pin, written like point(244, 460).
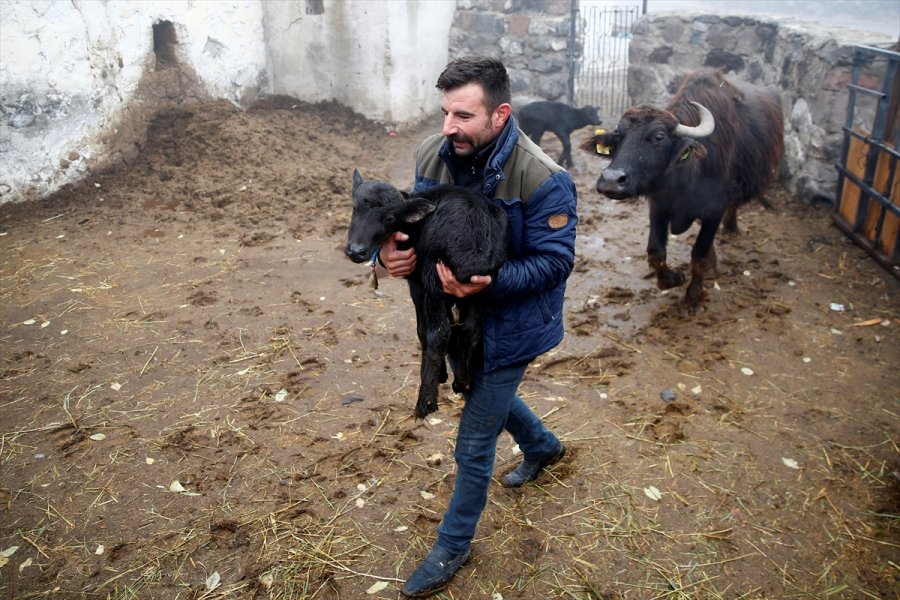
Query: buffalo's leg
point(656, 252)
point(729, 220)
point(702, 256)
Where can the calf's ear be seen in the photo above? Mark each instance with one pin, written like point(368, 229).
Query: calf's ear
point(357, 180)
point(415, 210)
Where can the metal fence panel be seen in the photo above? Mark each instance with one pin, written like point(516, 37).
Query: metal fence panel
point(867, 202)
point(602, 71)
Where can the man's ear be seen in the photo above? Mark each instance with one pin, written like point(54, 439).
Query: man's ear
point(501, 115)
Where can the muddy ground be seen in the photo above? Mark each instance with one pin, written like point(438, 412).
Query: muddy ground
point(202, 398)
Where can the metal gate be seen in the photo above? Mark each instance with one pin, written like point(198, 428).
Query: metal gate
point(601, 69)
point(867, 203)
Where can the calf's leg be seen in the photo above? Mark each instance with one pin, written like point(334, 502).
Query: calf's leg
point(437, 334)
point(468, 338)
point(565, 159)
point(417, 293)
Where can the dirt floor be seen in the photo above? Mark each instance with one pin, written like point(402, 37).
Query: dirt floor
point(202, 398)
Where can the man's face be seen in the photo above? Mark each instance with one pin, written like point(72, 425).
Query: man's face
point(467, 123)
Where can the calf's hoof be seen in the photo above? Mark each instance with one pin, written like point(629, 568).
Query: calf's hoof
point(462, 387)
point(425, 408)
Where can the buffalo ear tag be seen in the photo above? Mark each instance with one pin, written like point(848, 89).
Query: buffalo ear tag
point(601, 148)
point(686, 154)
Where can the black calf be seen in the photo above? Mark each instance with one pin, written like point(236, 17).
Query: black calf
point(445, 224)
point(558, 118)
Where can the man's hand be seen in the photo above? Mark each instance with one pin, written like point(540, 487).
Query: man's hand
point(399, 263)
point(451, 286)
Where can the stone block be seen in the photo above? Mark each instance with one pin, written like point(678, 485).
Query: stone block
point(673, 29)
point(721, 37)
point(746, 41)
point(661, 54)
point(837, 79)
point(726, 60)
point(518, 25)
point(488, 23)
point(541, 64)
point(511, 47)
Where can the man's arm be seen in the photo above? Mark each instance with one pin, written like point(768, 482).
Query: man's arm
point(548, 253)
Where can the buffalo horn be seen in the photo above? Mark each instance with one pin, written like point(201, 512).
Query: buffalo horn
point(705, 128)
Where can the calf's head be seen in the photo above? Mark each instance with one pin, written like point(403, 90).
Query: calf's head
point(646, 143)
point(379, 209)
point(590, 115)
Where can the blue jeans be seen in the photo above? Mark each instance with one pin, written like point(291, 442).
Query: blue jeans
point(492, 407)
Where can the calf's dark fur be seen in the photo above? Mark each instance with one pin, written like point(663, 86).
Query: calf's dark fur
point(447, 224)
point(560, 119)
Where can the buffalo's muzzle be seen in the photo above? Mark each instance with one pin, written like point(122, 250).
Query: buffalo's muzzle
point(613, 183)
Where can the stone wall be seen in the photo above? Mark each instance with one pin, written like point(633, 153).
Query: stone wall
point(531, 37)
point(810, 65)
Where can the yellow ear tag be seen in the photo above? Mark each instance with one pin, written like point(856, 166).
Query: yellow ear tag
point(601, 149)
point(686, 154)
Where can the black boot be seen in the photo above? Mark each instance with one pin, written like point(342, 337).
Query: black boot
point(528, 470)
point(434, 573)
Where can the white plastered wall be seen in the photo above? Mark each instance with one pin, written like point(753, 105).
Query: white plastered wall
point(71, 70)
point(380, 57)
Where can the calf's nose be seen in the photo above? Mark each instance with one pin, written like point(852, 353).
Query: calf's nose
point(357, 253)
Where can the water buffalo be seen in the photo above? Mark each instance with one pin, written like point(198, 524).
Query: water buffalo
point(716, 145)
point(448, 224)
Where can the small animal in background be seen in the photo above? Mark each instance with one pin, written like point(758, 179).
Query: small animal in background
point(558, 118)
point(447, 224)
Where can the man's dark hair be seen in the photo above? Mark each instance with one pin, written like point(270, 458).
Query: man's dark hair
point(489, 73)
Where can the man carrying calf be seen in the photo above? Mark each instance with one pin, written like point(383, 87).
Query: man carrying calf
point(480, 147)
